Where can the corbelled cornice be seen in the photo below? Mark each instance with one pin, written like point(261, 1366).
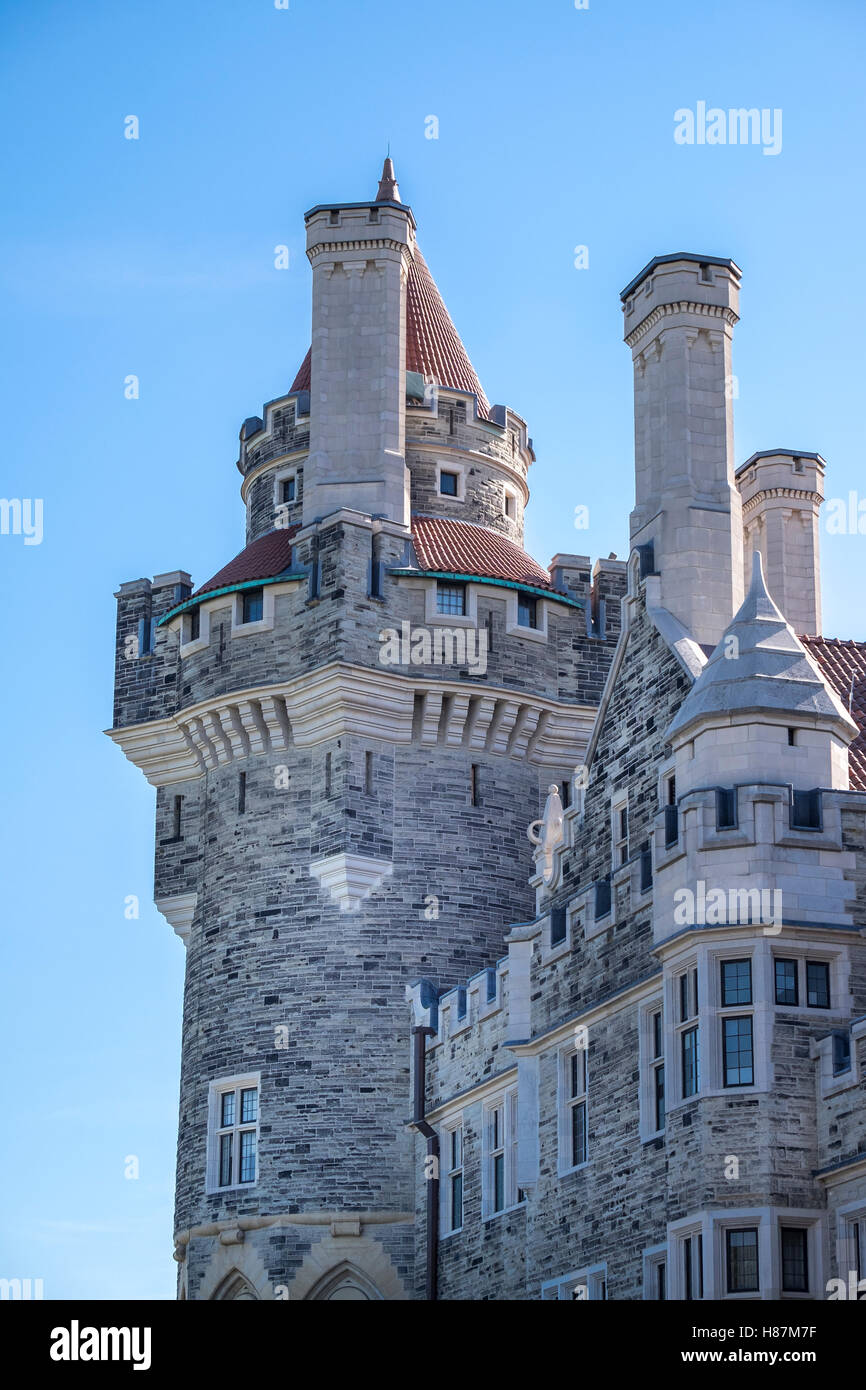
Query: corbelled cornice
point(681, 306)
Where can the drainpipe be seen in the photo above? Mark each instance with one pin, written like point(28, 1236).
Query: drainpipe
point(419, 1036)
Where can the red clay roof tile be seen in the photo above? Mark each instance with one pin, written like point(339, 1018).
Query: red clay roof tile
point(843, 664)
point(459, 547)
point(270, 555)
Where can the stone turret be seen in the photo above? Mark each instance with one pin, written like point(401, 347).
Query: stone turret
point(349, 727)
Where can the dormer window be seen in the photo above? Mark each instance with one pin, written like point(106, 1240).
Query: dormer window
point(527, 611)
point(451, 599)
point(448, 484)
point(253, 605)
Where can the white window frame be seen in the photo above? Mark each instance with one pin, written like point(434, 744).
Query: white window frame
point(454, 1124)
point(581, 1286)
point(713, 1225)
point(618, 805)
point(568, 1102)
point(281, 476)
point(649, 1065)
point(513, 628)
point(510, 495)
point(216, 1090)
point(432, 616)
point(451, 467)
point(506, 1102)
point(846, 1255)
point(677, 1027)
point(654, 1257)
point(190, 645)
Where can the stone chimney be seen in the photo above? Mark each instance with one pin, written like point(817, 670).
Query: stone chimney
point(782, 492)
point(680, 313)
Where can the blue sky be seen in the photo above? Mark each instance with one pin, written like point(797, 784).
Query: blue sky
point(155, 257)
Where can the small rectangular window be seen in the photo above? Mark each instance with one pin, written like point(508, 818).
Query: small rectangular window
point(787, 989)
point(473, 785)
point(659, 1095)
point(620, 829)
point(527, 609)
point(817, 984)
point(806, 810)
point(841, 1053)
point(368, 773)
point(451, 599)
point(646, 869)
point(577, 1107)
point(736, 982)
point(455, 1178)
point(448, 483)
point(510, 505)
point(287, 490)
point(242, 793)
point(689, 1046)
point(602, 898)
point(737, 1051)
point(661, 1281)
point(253, 605)
point(726, 808)
point(176, 818)
point(672, 826)
point(195, 623)
point(693, 1267)
point(795, 1259)
point(327, 775)
point(558, 927)
point(741, 1250)
point(792, 738)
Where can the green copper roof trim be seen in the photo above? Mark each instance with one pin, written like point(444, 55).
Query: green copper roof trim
point(484, 579)
point(230, 589)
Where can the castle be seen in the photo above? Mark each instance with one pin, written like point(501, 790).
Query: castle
point(522, 907)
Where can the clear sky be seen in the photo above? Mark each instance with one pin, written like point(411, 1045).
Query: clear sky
point(155, 257)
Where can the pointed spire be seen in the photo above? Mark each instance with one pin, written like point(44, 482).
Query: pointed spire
point(760, 665)
point(388, 190)
point(758, 604)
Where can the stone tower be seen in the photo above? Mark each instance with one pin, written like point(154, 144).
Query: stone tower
point(679, 316)
point(349, 728)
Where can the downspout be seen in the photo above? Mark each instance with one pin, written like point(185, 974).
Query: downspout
point(431, 1169)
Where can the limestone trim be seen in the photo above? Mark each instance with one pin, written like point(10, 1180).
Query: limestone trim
point(182, 1238)
point(333, 1256)
point(292, 462)
point(814, 499)
point(328, 248)
point(350, 878)
point(339, 700)
point(681, 306)
point(179, 911)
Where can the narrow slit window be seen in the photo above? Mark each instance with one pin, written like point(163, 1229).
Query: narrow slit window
point(242, 793)
point(368, 773)
point(177, 815)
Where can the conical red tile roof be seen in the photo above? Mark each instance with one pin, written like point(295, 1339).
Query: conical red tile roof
point(433, 346)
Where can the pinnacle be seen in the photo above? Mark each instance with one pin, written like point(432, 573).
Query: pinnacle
point(388, 191)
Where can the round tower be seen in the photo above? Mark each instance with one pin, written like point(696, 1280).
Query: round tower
point(349, 728)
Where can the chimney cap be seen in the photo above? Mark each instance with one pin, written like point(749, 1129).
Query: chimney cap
point(679, 256)
point(780, 453)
